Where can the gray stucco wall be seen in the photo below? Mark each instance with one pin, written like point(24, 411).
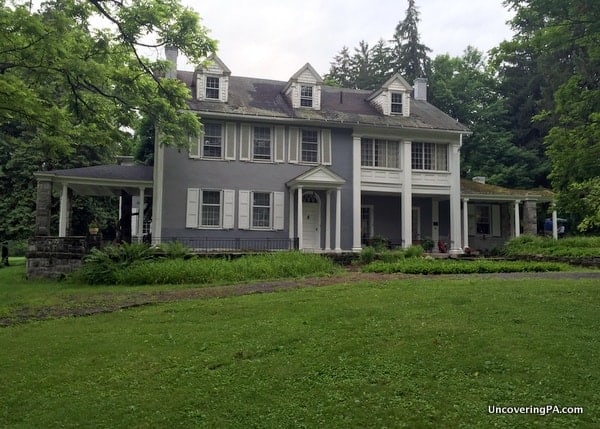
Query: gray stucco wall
point(182, 172)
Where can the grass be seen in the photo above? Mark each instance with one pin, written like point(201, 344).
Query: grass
point(450, 266)
point(418, 352)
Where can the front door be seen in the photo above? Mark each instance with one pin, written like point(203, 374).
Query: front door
point(311, 221)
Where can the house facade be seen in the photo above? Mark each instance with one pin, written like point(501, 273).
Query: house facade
point(302, 164)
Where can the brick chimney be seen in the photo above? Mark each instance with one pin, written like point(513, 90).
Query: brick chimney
point(171, 53)
point(420, 88)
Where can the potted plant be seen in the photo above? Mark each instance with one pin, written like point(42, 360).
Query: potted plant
point(93, 227)
point(427, 245)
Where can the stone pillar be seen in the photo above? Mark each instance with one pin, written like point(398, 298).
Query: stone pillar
point(530, 217)
point(43, 205)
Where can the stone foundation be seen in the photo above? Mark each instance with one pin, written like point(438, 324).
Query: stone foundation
point(54, 257)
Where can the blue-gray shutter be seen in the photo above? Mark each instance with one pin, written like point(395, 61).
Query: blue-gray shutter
point(191, 214)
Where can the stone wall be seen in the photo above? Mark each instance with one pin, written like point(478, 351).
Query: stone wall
point(54, 257)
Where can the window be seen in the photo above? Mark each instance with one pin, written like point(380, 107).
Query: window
point(212, 87)
point(262, 143)
point(396, 102)
point(210, 213)
point(379, 153)
point(310, 146)
point(482, 221)
point(213, 141)
point(429, 156)
point(261, 209)
point(306, 96)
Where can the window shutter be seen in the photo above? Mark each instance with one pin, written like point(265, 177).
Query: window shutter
point(326, 147)
point(245, 137)
point(244, 210)
point(191, 213)
point(230, 141)
point(228, 208)
point(293, 147)
point(279, 145)
point(472, 219)
point(278, 210)
point(496, 232)
point(200, 87)
point(405, 104)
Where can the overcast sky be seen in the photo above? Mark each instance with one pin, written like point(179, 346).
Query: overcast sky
point(274, 38)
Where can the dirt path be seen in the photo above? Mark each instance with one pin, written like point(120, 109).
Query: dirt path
point(106, 303)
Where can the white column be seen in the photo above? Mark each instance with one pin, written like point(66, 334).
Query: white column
point(140, 225)
point(300, 219)
point(356, 194)
point(338, 220)
point(554, 225)
point(157, 187)
point(517, 219)
point(435, 223)
point(455, 218)
point(465, 222)
point(63, 216)
point(291, 214)
point(406, 196)
point(328, 221)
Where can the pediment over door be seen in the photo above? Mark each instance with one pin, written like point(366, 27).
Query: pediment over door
point(319, 177)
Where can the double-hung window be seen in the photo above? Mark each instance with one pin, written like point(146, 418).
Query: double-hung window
point(261, 209)
point(306, 96)
point(212, 87)
point(210, 211)
point(212, 146)
point(310, 146)
point(262, 145)
point(379, 153)
point(396, 102)
point(429, 156)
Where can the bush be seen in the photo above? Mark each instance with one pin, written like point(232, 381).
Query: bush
point(174, 250)
point(437, 266)
point(391, 256)
point(367, 255)
point(104, 266)
point(574, 247)
point(414, 251)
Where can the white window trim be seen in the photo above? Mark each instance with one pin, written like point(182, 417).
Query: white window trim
point(434, 160)
point(206, 88)
point(195, 204)
point(311, 98)
point(262, 228)
point(201, 204)
point(246, 211)
point(318, 143)
point(271, 143)
point(372, 141)
point(201, 142)
point(392, 103)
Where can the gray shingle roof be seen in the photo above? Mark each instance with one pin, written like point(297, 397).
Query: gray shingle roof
point(114, 172)
point(264, 98)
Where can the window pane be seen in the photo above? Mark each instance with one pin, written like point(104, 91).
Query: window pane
point(393, 149)
point(483, 219)
point(310, 146)
point(380, 153)
point(212, 87)
point(417, 156)
point(306, 96)
point(366, 152)
point(427, 156)
point(441, 157)
point(262, 143)
point(396, 102)
point(211, 208)
point(261, 209)
point(212, 141)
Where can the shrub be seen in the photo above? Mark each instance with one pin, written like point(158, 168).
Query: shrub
point(174, 250)
point(436, 266)
point(575, 247)
point(391, 256)
point(367, 255)
point(414, 251)
point(104, 266)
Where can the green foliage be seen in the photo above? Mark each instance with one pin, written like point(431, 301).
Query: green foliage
point(175, 250)
point(367, 255)
point(134, 265)
point(412, 58)
point(414, 251)
point(570, 247)
point(449, 266)
point(427, 244)
point(105, 266)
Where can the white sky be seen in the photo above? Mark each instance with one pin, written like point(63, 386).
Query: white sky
point(274, 38)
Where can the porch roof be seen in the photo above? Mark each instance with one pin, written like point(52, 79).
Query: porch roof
point(482, 191)
point(101, 180)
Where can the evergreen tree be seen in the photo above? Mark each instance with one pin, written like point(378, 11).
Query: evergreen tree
point(411, 56)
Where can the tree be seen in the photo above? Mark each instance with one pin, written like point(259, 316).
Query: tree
point(70, 91)
point(465, 88)
point(412, 59)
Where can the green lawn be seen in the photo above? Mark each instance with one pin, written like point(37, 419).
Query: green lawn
point(420, 352)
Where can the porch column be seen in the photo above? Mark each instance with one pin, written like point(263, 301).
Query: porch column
point(455, 220)
point(356, 194)
point(328, 221)
point(517, 219)
point(338, 220)
point(530, 217)
point(157, 188)
point(300, 218)
point(435, 223)
point(554, 224)
point(465, 222)
point(140, 224)
point(43, 204)
point(291, 214)
point(63, 217)
point(406, 196)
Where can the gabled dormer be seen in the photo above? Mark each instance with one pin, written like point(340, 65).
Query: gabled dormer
point(393, 98)
point(212, 80)
point(303, 90)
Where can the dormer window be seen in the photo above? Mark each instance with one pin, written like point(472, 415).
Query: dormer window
point(396, 106)
point(212, 87)
point(306, 96)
